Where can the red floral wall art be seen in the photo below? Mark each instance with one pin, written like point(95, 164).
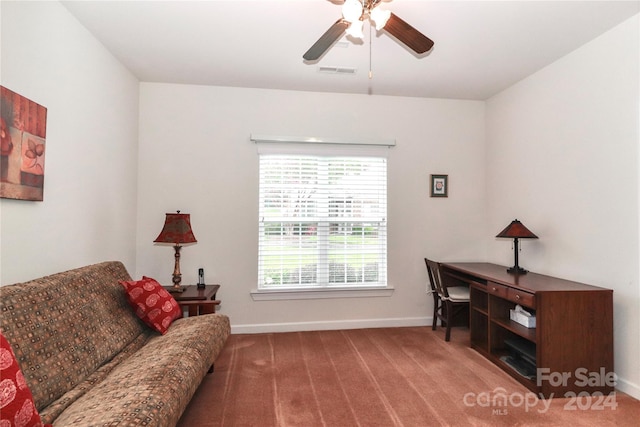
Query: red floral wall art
point(23, 129)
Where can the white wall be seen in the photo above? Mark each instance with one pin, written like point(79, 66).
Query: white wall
point(89, 208)
point(195, 156)
point(563, 156)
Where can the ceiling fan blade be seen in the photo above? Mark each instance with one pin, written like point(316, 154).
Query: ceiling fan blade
point(408, 35)
point(326, 40)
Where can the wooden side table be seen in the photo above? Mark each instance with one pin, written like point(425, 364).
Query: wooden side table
point(198, 301)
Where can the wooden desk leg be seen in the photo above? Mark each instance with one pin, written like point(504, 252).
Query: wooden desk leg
point(193, 310)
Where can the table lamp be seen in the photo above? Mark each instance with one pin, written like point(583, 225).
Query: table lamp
point(176, 230)
point(516, 230)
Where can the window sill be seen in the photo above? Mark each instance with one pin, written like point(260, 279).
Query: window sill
point(291, 294)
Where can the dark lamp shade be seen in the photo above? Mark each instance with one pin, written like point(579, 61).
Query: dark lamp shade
point(517, 230)
point(177, 229)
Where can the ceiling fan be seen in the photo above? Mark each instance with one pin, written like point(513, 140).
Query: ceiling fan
point(354, 12)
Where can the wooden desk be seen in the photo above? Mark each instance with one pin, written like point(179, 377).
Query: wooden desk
point(198, 301)
point(573, 336)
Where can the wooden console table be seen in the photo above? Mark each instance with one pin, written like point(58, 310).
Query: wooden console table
point(198, 300)
point(573, 337)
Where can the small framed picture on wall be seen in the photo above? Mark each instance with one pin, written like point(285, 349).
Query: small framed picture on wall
point(439, 185)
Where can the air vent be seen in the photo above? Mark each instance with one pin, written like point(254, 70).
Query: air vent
point(336, 70)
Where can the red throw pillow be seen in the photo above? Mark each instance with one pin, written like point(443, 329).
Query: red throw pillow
point(152, 303)
point(16, 401)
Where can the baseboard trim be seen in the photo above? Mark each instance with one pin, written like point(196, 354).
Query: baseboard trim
point(629, 388)
point(330, 325)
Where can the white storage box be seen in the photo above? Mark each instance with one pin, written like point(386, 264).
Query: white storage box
point(521, 318)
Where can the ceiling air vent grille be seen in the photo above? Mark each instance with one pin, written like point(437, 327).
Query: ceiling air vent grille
point(328, 69)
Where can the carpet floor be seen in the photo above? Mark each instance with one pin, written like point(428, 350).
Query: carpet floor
point(379, 377)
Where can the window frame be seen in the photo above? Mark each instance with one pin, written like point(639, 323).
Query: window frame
point(360, 289)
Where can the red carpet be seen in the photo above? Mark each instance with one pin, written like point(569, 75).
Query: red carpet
point(378, 377)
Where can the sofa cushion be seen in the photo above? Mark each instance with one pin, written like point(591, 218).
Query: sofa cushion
point(64, 326)
point(155, 384)
point(53, 411)
point(16, 401)
point(152, 303)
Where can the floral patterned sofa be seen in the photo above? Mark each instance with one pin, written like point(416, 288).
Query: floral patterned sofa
point(90, 361)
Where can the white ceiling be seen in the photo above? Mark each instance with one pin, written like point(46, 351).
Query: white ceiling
point(481, 47)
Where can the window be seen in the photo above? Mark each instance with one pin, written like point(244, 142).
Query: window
point(322, 222)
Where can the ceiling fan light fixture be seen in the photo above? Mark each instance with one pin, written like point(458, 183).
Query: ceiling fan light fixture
point(355, 30)
point(352, 10)
point(380, 17)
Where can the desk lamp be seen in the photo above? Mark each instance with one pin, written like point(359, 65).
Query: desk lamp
point(516, 230)
point(176, 230)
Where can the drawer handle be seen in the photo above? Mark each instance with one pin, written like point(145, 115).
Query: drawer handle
point(517, 296)
point(494, 289)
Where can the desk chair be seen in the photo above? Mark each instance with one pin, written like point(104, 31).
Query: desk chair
point(446, 300)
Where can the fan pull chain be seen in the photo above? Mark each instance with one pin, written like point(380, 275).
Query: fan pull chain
point(370, 43)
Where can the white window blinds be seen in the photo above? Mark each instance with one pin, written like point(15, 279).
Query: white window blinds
point(322, 222)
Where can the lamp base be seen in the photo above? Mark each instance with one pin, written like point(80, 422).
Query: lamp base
point(176, 289)
point(516, 270)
